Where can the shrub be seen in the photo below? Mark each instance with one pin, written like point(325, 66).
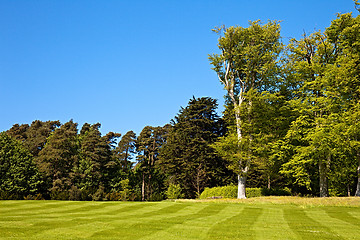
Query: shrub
point(99, 195)
point(59, 195)
point(156, 197)
point(34, 197)
point(254, 192)
point(74, 194)
point(230, 191)
point(9, 196)
point(113, 196)
point(174, 192)
point(126, 190)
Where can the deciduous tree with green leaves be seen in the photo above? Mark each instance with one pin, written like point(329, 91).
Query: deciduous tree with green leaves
point(19, 176)
point(247, 65)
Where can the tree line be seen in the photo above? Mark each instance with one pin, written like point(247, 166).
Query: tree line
point(56, 161)
point(291, 120)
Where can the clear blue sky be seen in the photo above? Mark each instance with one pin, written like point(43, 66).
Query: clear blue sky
point(125, 64)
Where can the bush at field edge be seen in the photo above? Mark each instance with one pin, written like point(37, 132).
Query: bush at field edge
point(230, 191)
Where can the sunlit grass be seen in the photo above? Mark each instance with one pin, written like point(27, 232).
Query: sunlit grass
point(301, 201)
point(255, 218)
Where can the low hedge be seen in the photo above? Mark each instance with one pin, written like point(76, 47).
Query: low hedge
point(230, 191)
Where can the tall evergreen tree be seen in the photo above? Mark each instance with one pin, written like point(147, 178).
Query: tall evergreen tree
point(37, 134)
point(125, 150)
point(187, 157)
point(57, 159)
point(18, 132)
point(93, 170)
point(148, 145)
point(34, 136)
point(123, 155)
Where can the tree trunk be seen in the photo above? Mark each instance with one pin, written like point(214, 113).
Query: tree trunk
point(269, 182)
point(323, 180)
point(143, 188)
point(149, 187)
point(241, 187)
point(357, 193)
point(126, 157)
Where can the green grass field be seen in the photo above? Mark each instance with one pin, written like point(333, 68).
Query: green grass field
point(260, 218)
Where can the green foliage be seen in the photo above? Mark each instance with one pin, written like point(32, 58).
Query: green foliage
point(124, 195)
point(248, 68)
point(174, 191)
point(230, 191)
point(57, 159)
point(95, 163)
point(187, 158)
point(33, 137)
point(325, 69)
point(99, 195)
point(19, 176)
point(147, 171)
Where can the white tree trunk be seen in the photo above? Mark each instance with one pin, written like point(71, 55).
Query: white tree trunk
point(241, 177)
point(241, 187)
point(229, 81)
point(143, 188)
point(357, 193)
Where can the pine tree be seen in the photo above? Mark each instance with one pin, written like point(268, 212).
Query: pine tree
point(92, 172)
point(148, 145)
point(187, 157)
point(57, 159)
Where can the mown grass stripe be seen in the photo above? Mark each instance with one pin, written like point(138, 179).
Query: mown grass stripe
point(129, 207)
point(176, 220)
point(344, 216)
point(194, 225)
point(241, 225)
point(341, 221)
point(164, 224)
point(37, 223)
point(307, 227)
point(31, 206)
point(272, 225)
point(159, 220)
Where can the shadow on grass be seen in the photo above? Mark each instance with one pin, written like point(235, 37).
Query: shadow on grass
point(148, 226)
point(238, 226)
point(343, 215)
point(306, 227)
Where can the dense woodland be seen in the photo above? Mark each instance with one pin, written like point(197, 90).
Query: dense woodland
point(291, 120)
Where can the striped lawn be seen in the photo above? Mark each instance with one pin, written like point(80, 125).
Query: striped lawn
point(176, 220)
